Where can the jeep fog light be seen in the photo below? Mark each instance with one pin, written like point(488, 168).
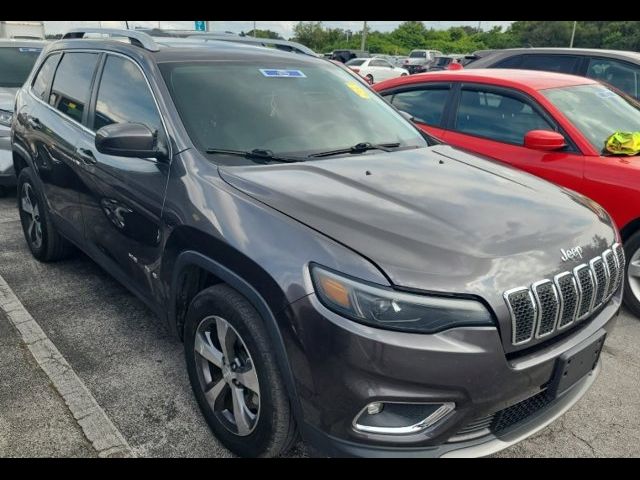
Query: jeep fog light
point(391, 418)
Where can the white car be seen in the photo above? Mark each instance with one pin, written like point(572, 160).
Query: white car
point(375, 69)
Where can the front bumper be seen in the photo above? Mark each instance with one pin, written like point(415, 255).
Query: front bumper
point(7, 175)
point(341, 366)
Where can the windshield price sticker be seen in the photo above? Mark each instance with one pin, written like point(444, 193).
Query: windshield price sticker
point(358, 89)
point(279, 73)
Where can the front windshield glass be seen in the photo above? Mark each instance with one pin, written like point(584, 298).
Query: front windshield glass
point(596, 111)
point(16, 64)
point(442, 61)
point(296, 109)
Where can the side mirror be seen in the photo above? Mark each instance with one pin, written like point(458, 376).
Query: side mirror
point(129, 140)
point(407, 115)
point(546, 140)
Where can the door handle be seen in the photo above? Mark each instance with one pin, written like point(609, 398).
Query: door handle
point(34, 122)
point(86, 156)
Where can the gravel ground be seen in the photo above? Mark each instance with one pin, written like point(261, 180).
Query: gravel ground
point(136, 372)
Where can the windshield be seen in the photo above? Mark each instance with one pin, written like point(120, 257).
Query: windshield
point(355, 62)
point(295, 109)
point(596, 111)
point(16, 64)
point(418, 55)
point(442, 61)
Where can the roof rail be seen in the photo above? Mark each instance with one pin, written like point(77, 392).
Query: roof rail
point(139, 39)
point(258, 41)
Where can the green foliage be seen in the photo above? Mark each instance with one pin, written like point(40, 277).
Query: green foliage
point(412, 35)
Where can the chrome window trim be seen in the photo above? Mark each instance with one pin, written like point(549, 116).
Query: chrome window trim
point(576, 272)
point(513, 317)
point(556, 280)
point(612, 275)
point(106, 52)
point(534, 289)
point(592, 264)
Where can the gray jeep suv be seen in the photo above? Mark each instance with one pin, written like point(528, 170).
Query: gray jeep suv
point(16, 61)
point(332, 271)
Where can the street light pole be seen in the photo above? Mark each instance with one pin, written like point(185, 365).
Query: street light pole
point(364, 36)
point(573, 34)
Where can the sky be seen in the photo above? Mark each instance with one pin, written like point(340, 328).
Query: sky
point(284, 28)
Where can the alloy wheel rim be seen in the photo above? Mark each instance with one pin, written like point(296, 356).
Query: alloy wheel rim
point(29, 205)
point(633, 274)
point(227, 375)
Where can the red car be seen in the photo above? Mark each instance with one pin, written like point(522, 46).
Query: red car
point(550, 124)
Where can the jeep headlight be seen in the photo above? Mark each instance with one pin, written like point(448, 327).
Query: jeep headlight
point(383, 307)
point(5, 118)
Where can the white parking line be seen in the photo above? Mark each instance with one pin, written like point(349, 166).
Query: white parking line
point(92, 419)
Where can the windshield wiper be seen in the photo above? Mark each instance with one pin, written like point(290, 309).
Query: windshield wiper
point(255, 154)
point(358, 148)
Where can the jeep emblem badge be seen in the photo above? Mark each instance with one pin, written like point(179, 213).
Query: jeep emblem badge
point(571, 254)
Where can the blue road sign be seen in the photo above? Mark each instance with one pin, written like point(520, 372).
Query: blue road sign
point(201, 25)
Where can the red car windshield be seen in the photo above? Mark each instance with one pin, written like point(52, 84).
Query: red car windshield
point(597, 111)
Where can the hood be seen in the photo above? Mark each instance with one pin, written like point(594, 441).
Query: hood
point(8, 98)
point(436, 219)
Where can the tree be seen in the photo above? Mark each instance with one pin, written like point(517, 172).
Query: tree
point(310, 34)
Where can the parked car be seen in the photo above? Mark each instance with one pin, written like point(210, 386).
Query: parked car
point(443, 62)
point(615, 67)
point(375, 69)
point(16, 60)
point(420, 60)
point(344, 56)
point(549, 124)
point(341, 275)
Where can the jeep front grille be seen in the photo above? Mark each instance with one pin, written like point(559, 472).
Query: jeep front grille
point(548, 306)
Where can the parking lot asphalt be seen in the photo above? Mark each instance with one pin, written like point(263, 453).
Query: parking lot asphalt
point(136, 371)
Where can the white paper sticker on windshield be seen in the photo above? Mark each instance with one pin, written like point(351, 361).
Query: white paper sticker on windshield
point(276, 72)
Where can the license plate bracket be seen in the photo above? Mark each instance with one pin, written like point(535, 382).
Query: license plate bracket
point(575, 363)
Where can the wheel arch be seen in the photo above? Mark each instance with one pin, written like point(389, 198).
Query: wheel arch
point(211, 269)
point(629, 229)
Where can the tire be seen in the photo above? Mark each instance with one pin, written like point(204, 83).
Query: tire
point(49, 246)
point(268, 428)
point(632, 283)
point(403, 74)
point(369, 78)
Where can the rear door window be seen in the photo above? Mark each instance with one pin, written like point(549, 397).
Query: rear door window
point(426, 105)
point(621, 75)
point(550, 63)
point(42, 82)
point(72, 84)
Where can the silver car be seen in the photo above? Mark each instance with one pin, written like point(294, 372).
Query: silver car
point(16, 61)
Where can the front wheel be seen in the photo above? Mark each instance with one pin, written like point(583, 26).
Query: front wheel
point(234, 375)
point(632, 269)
